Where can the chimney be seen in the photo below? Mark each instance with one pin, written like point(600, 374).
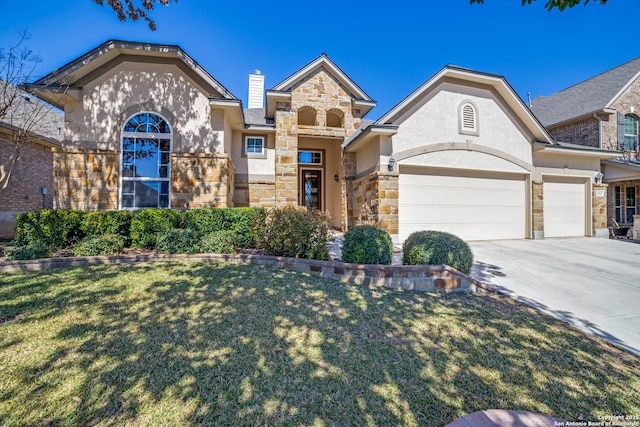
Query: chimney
point(256, 90)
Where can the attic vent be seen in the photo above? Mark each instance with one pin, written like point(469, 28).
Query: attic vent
point(468, 118)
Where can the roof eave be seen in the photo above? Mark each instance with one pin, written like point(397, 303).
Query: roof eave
point(369, 132)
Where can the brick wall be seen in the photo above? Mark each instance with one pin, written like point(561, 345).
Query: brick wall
point(584, 132)
point(33, 171)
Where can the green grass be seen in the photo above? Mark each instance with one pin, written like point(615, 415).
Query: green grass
point(205, 344)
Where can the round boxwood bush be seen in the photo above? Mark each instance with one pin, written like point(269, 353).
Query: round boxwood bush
point(108, 244)
point(219, 242)
point(437, 247)
point(366, 244)
point(178, 241)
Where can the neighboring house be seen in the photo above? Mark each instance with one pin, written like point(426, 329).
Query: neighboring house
point(146, 126)
point(29, 130)
point(603, 112)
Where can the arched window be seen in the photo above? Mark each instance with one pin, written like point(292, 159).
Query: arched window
point(468, 118)
point(630, 132)
point(307, 116)
point(145, 162)
point(334, 118)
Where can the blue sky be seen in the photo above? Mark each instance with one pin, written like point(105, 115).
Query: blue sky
point(387, 48)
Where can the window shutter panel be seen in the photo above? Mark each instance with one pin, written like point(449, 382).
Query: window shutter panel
point(620, 131)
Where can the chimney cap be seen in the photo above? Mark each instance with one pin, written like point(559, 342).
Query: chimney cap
point(256, 72)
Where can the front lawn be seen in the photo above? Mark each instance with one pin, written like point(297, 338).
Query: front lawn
point(195, 343)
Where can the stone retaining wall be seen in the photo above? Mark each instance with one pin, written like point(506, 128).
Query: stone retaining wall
point(424, 278)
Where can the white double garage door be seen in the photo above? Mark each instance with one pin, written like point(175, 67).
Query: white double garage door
point(486, 206)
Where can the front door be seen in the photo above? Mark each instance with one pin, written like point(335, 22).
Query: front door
point(311, 188)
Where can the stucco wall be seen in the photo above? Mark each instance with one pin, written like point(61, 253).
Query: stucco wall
point(129, 88)
point(435, 120)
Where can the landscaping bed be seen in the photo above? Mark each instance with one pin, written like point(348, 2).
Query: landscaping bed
point(184, 343)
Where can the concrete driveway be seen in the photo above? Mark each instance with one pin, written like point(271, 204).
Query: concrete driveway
point(591, 283)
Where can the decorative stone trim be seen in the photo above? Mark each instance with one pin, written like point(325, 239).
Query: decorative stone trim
point(423, 278)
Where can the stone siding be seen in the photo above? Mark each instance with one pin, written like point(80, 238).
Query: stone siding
point(537, 205)
point(375, 201)
point(627, 103)
point(254, 192)
point(599, 215)
point(89, 180)
point(86, 179)
point(201, 180)
point(33, 170)
point(584, 132)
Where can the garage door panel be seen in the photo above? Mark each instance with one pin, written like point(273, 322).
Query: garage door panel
point(564, 207)
point(473, 207)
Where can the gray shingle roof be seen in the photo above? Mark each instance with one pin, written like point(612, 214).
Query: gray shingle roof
point(584, 98)
point(256, 116)
point(364, 123)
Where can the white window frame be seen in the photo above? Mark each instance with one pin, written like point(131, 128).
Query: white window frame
point(248, 153)
point(462, 128)
point(145, 135)
point(631, 136)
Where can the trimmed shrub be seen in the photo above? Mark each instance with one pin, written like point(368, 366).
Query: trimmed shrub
point(58, 228)
point(107, 244)
point(148, 224)
point(178, 241)
point(436, 247)
point(366, 244)
point(35, 250)
point(219, 242)
point(295, 231)
point(96, 224)
point(245, 222)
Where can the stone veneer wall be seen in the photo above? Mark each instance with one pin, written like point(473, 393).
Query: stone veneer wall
point(537, 202)
point(201, 180)
point(599, 209)
point(89, 179)
point(286, 168)
point(584, 132)
point(375, 201)
point(85, 179)
point(255, 192)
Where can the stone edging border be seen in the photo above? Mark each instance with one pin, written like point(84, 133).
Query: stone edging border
point(423, 278)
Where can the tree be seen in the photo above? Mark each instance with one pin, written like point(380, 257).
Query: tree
point(23, 117)
point(553, 4)
point(129, 9)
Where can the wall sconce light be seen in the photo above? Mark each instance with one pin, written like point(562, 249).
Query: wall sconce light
point(44, 191)
point(599, 176)
point(336, 178)
point(392, 163)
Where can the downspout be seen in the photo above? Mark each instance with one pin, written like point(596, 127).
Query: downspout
point(595, 115)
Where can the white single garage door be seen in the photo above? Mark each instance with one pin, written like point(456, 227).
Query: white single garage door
point(564, 207)
point(473, 206)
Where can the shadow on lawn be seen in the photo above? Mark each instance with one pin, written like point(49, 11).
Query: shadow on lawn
point(241, 345)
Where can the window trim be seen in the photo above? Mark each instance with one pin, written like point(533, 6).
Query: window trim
point(462, 129)
point(253, 155)
point(144, 135)
point(629, 135)
point(620, 205)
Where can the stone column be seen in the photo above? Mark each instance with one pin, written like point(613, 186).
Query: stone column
point(286, 167)
point(599, 207)
point(537, 205)
point(387, 202)
point(636, 227)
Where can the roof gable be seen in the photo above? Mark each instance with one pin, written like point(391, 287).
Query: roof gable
point(459, 75)
point(322, 62)
point(588, 97)
point(112, 53)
